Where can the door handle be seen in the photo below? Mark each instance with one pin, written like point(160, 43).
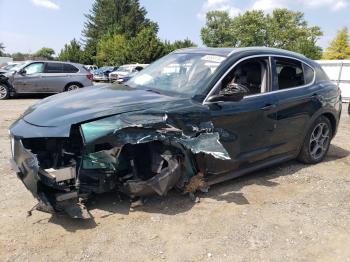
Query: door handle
point(268, 107)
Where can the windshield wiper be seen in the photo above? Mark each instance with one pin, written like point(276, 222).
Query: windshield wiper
point(153, 91)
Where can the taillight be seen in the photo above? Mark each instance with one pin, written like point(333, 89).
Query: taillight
point(89, 76)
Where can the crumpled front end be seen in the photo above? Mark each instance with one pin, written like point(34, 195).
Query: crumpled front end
point(132, 154)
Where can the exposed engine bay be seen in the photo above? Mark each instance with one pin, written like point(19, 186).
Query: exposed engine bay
point(136, 161)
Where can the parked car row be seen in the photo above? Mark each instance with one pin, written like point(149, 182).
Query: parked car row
point(123, 73)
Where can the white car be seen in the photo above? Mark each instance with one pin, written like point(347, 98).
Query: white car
point(124, 71)
point(91, 68)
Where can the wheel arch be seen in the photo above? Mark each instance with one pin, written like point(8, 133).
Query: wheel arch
point(333, 121)
point(72, 83)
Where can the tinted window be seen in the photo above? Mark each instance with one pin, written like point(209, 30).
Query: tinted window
point(68, 68)
point(34, 68)
point(308, 74)
point(289, 73)
point(54, 68)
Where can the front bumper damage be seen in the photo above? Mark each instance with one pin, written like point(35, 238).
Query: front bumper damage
point(131, 154)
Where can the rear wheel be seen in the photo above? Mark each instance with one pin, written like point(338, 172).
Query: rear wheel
point(317, 141)
point(4, 92)
point(72, 87)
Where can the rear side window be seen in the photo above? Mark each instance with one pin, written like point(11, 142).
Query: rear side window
point(293, 73)
point(68, 68)
point(289, 73)
point(308, 74)
point(54, 68)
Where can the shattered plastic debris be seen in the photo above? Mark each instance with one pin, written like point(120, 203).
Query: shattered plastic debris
point(199, 139)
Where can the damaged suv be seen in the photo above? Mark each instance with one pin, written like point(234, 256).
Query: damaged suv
point(204, 113)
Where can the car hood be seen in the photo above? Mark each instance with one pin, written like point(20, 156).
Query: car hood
point(91, 103)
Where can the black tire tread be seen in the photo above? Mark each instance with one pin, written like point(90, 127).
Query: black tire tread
point(304, 155)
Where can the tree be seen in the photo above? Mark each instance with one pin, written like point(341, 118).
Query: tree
point(45, 52)
point(112, 50)
point(289, 30)
point(282, 29)
point(71, 52)
point(114, 17)
point(217, 31)
point(339, 48)
point(2, 49)
point(146, 47)
point(21, 56)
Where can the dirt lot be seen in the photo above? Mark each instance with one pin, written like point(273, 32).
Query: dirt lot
point(292, 212)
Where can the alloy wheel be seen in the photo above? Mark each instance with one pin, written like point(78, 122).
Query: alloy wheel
point(3, 92)
point(319, 141)
point(73, 87)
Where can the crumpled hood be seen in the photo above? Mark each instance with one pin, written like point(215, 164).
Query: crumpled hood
point(91, 103)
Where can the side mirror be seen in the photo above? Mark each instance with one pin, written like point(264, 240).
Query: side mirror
point(22, 72)
point(233, 97)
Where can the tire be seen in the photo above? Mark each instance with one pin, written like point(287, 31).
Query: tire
point(72, 87)
point(4, 92)
point(317, 141)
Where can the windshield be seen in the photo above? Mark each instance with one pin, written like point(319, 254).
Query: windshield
point(180, 73)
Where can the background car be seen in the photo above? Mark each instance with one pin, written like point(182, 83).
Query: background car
point(91, 68)
point(44, 77)
point(8, 67)
point(102, 74)
point(124, 71)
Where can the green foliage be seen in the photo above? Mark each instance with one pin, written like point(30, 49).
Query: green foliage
point(178, 44)
point(112, 50)
point(117, 32)
point(45, 52)
point(71, 52)
point(282, 29)
point(145, 47)
point(217, 31)
point(2, 49)
point(114, 17)
point(339, 48)
point(21, 56)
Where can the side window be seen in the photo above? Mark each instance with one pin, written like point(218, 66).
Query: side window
point(308, 74)
point(292, 73)
point(34, 68)
point(249, 77)
point(54, 68)
point(68, 68)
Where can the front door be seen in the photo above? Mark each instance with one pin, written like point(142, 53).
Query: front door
point(29, 79)
point(249, 123)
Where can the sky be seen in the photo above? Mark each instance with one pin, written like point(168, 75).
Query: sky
point(27, 25)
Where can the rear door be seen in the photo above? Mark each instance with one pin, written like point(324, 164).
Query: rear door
point(30, 79)
point(54, 78)
point(297, 100)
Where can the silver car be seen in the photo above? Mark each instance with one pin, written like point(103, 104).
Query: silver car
point(45, 77)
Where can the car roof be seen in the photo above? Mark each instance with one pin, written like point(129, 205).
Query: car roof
point(228, 51)
point(52, 61)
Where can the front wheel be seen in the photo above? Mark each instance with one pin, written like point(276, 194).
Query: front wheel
point(4, 92)
point(317, 141)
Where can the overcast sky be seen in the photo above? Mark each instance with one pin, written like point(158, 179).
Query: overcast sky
point(27, 25)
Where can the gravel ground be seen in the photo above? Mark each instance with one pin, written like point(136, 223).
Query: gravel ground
point(291, 212)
